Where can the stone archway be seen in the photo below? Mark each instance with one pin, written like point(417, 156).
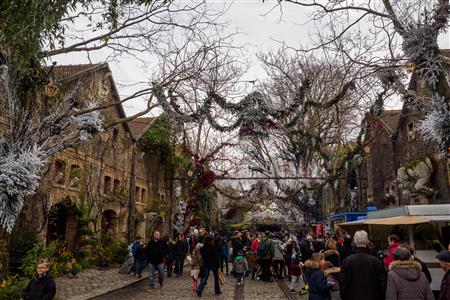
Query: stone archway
point(110, 223)
point(63, 225)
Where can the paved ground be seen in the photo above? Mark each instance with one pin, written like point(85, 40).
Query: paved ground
point(181, 288)
point(91, 283)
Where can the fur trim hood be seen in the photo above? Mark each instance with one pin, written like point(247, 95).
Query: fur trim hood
point(409, 270)
point(333, 270)
point(405, 264)
point(312, 264)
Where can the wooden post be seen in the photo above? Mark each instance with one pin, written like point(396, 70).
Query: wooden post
point(411, 235)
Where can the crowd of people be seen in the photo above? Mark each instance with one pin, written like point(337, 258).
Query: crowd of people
point(324, 267)
point(330, 267)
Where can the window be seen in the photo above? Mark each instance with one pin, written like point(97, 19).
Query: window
point(143, 195)
point(60, 170)
point(411, 130)
point(138, 195)
point(74, 176)
point(107, 185)
point(116, 185)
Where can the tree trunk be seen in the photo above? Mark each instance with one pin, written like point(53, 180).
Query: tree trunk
point(4, 253)
point(132, 194)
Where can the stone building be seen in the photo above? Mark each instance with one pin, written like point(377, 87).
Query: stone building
point(399, 166)
point(99, 177)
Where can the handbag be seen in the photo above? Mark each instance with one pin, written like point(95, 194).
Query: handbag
point(221, 279)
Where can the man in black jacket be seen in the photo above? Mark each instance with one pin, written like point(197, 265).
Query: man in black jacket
point(155, 251)
point(42, 287)
point(364, 276)
point(180, 250)
point(210, 263)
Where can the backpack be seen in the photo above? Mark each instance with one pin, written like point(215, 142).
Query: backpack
point(263, 248)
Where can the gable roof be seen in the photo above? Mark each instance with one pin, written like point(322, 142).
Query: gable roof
point(390, 118)
point(139, 126)
point(68, 73)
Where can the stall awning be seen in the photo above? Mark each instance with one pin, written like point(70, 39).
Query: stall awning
point(399, 220)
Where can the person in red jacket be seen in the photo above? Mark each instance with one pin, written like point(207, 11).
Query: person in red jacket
point(255, 243)
point(393, 241)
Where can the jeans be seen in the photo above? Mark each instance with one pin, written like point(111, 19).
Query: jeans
point(152, 269)
point(205, 277)
point(179, 261)
point(278, 266)
point(223, 260)
point(137, 266)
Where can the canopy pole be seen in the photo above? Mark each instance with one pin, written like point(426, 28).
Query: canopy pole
point(411, 235)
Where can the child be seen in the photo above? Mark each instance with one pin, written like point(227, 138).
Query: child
point(319, 288)
point(42, 286)
point(252, 262)
point(240, 266)
point(332, 273)
point(296, 272)
point(195, 261)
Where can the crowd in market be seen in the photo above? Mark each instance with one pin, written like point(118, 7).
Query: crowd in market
point(337, 266)
point(329, 267)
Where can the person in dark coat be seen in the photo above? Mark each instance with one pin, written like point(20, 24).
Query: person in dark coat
point(180, 251)
point(319, 288)
point(211, 261)
point(346, 249)
point(406, 280)
point(140, 258)
point(364, 276)
point(444, 261)
point(306, 247)
point(42, 287)
point(156, 250)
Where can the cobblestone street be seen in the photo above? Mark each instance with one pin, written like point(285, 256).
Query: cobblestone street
point(181, 288)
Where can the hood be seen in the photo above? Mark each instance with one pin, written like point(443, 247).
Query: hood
point(332, 271)
point(329, 253)
point(312, 264)
point(409, 269)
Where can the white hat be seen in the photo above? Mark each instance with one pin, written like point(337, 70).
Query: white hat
point(195, 232)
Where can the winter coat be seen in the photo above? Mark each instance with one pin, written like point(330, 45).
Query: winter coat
point(196, 260)
point(210, 257)
point(252, 259)
point(270, 245)
point(345, 251)
point(387, 261)
point(445, 287)
point(406, 281)
point(180, 248)
point(155, 252)
point(333, 276)
point(425, 270)
point(254, 245)
point(171, 251)
point(240, 264)
point(140, 254)
point(333, 257)
point(363, 277)
point(295, 268)
point(305, 249)
point(43, 288)
point(278, 250)
point(319, 288)
point(226, 250)
point(237, 246)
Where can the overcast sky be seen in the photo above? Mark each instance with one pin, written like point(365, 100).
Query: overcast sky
point(260, 26)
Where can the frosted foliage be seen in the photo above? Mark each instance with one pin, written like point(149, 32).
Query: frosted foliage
point(20, 173)
point(420, 45)
point(179, 216)
point(89, 123)
point(436, 125)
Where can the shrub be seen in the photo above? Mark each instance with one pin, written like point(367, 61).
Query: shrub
point(20, 243)
point(117, 252)
point(11, 288)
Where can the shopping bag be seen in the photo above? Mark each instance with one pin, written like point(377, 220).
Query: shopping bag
point(221, 279)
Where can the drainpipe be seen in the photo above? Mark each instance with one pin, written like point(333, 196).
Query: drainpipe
point(132, 195)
